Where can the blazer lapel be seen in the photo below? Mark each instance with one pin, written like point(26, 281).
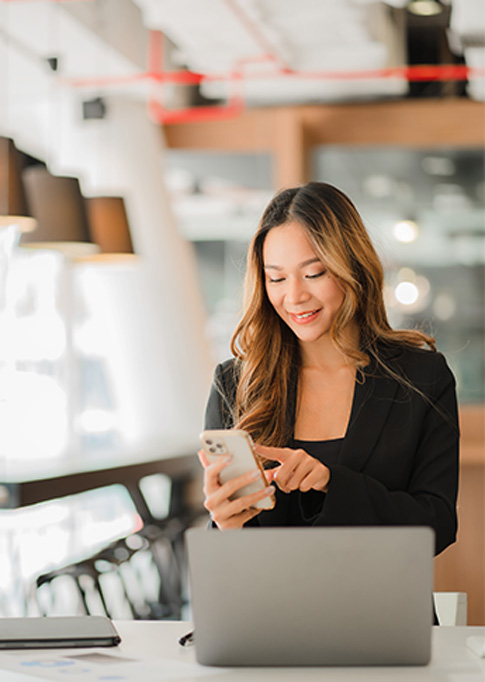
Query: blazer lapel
point(372, 401)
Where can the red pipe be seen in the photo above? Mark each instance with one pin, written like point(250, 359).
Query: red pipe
point(156, 109)
point(422, 72)
point(193, 114)
point(158, 112)
point(445, 72)
point(155, 65)
point(235, 103)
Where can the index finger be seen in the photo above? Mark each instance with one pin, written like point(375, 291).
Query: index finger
point(275, 454)
point(203, 458)
point(218, 465)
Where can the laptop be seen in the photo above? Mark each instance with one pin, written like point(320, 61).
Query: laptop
point(53, 632)
point(312, 596)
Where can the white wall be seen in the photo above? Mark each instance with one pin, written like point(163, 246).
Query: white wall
point(121, 154)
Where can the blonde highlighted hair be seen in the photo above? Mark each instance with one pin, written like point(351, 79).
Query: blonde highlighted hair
point(266, 349)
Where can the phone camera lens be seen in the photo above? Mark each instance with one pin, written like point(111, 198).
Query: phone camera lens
point(209, 442)
point(219, 445)
point(212, 450)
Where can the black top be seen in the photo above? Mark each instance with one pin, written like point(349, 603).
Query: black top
point(326, 451)
point(304, 507)
point(398, 462)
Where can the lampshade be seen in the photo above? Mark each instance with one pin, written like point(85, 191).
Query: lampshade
point(12, 195)
point(70, 250)
point(424, 8)
point(57, 204)
point(107, 259)
point(24, 223)
point(108, 224)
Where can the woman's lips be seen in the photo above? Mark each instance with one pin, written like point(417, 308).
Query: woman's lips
point(306, 317)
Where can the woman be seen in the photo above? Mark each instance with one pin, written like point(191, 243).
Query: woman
point(356, 422)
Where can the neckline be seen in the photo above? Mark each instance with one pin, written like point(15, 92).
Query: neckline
point(326, 440)
point(352, 414)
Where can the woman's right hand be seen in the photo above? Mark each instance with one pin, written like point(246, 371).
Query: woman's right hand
point(226, 513)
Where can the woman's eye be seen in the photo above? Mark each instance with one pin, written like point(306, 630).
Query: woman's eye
point(316, 275)
point(272, 280)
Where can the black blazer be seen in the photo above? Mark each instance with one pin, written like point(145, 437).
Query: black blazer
point(399, 460)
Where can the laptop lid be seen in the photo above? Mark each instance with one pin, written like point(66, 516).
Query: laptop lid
point(57, 631)
point(312, 596)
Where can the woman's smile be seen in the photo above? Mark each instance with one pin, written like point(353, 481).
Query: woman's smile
point(305, 318)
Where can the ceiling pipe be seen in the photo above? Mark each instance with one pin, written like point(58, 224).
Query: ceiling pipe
point(236, 103)
point(161, 114)
point(235, 79)
point(155, 73)
point(442, 72)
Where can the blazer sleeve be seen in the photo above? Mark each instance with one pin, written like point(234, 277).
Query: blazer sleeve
point(429, 497)
point(220, 404)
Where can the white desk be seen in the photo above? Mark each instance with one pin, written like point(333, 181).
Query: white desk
point(152, 654)
point(451, 660)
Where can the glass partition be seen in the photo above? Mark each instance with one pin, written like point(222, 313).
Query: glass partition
point(423, 209)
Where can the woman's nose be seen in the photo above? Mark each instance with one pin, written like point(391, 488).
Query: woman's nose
point(296, 291)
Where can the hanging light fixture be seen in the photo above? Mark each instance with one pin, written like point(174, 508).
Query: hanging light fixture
point(58, 205)
point(424, 8)
point(22, 223)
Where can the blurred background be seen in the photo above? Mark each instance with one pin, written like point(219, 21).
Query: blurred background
point(139, 143)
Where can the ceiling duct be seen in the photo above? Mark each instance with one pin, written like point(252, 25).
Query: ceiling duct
point(282, 53)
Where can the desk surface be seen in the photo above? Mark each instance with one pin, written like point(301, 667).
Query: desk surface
point(451, 660)
point(149, 652)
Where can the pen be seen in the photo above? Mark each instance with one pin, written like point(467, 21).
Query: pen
point(187, 639)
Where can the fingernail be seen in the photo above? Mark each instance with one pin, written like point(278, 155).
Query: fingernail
point(227, 459)
point(270, 489)
point(256, 473)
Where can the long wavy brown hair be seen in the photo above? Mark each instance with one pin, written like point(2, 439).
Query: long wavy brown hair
point(267, 351)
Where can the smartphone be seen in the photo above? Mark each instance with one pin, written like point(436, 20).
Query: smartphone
point(238, 444)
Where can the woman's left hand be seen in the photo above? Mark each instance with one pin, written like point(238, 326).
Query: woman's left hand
point(297, 470)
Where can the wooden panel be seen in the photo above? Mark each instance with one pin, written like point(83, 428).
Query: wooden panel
point(252, 131)
point(409, 123)
point(291, 158)
point(461, 568)
point(425, 123)
point(290, 132)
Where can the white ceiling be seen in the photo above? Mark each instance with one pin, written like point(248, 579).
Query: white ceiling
point(313, 39)
point(259, 39)
point(241, 46)
point(272, 51)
